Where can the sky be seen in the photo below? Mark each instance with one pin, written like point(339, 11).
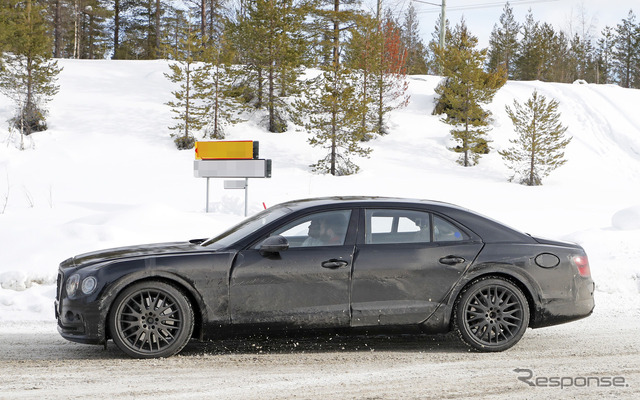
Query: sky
point(481, 15)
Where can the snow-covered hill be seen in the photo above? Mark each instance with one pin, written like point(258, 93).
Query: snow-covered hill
point(106, 174)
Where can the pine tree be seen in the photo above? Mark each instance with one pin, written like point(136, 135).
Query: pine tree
point(28, 76)
point(555, 61)
point(528, 62)
point(390, 83)
point(604, 56)
point(539, 148)
point(330, 108)
point(416, 50)
point(465, 88)
point(190, 74)
point(223, 108)
point(503, 43)
point(270, 45)
point(580, 54)
point(362, 55)
point(626, 52)
point(434, 46)
point(377, 51)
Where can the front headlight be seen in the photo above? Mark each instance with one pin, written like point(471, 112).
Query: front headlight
point(89, 284)
point(72, 284)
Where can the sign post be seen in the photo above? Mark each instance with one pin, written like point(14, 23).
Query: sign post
point(230, 159)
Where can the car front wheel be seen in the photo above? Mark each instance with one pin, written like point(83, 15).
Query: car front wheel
point(151, 320)
point(491, 314)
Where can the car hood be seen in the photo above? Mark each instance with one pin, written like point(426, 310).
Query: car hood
point(119, 253)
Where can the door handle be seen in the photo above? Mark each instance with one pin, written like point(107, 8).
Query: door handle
point(452, 260)
point(333, 264)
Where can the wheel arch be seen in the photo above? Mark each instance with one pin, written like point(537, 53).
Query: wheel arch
point(519, 282)
point(170, 279)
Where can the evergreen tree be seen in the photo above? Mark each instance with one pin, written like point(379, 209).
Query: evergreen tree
point(331, 112)
point(191, 75)
point(80, 31)
point(377, 51)
point(138, 24)
point(604, 57)
point(581, 53)
point(528, 62)
point(555, 61)
point(28, 76)
point(363, 54)
point(465, 88)
point(503, 43)
point(626, 52)
point(416, 50)
point(270, 46)
point(390, 83)
point(330, 108)
point(539, 148)
point(434, 45)
point(222, 107)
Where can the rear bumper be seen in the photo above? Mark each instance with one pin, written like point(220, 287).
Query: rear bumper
point(558, 311)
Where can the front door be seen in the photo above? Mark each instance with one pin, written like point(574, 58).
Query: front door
point(306, 285)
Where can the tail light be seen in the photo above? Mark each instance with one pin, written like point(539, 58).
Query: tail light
point(582, 262)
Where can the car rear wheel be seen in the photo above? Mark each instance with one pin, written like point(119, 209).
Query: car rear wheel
point(150, 320)
point(491, 314)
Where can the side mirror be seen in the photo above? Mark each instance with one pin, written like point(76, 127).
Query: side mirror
point(274, 244)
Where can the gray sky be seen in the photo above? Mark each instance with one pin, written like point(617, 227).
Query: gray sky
point(481, 15)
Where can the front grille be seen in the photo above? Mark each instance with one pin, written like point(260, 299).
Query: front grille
point(59, 286)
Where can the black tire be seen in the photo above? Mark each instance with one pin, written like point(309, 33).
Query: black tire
point(491, 314)
point(151, 320)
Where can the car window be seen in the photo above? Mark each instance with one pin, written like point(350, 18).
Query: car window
point(319, 229)
point(397, 226)
point(445, 231)
point(247, 226)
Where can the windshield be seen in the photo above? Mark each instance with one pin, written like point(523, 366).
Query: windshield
point(246, 227)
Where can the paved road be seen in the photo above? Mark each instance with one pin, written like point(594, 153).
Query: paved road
point(595, 358)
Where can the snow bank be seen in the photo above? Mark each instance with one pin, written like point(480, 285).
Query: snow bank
point(627, 219)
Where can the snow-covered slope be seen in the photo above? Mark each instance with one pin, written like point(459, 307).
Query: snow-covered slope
point(106, 174)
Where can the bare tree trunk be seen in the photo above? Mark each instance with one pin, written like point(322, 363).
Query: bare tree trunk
point(157, 28)
point(116, 29)
point(76, 29)
point(203, 19)
point(57, 29)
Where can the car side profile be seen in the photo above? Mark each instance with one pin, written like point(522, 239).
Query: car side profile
point(362, 264)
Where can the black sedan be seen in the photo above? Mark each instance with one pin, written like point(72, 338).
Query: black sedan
point(360, 264)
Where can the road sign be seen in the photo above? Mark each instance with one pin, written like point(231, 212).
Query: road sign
point(232, 168)
point(235, 184)
point(227, 150)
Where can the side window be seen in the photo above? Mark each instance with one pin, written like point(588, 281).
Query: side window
point(445, 231)
point(397, 226)
point(320, 229)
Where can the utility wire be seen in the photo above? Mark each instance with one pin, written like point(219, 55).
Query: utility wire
point(478, 6)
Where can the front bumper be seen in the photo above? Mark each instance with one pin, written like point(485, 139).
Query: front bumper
point(80, 322)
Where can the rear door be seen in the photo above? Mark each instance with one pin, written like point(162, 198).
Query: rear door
point(407, 261)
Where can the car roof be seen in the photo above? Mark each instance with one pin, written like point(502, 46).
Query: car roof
point(361, 200)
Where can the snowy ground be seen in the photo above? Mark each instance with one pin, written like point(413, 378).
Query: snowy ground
point(106, 174)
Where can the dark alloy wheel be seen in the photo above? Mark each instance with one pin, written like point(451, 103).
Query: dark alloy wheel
point(151, 319)
point(492, 314)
